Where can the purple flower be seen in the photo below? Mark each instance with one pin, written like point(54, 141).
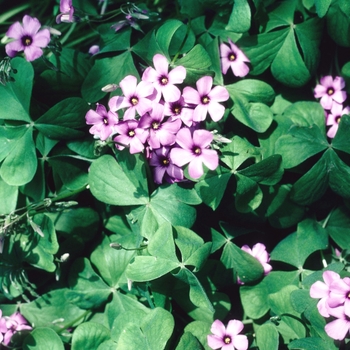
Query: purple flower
point(227, 338)
point(28, 38)
point(259, 252)
point(132, 135)
point(9, 325)
point(179, 110)
point(206, 99)
point(94, 49)
point(340, 294)
point(334, 117)
point(164, 167)
point(137, 97)
point(195, 151)
point(322, 290)
point(232, 56)
point(161, 133)
point(330, 90)
point(103, 122)
point(128, 21)
point(67, 11)
point(338, 328)
point(164, 80)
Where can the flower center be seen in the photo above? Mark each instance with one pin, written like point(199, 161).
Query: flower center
point(165, 161)
point(105, 120)
point(231, 57)
point(155, 125)
point(134, 101)
point(27, 40)
point(131, 133)
point(163, 80)
point(227, 339)
point(196, 150)
point(330, 91)
point(205, 100)
point(176, 108)
point(337, 120)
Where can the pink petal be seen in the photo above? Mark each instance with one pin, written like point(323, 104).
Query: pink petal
point(240, 69)
point(240, 342)
point(216, 111)
point(191, 95)
point(326, 81)
point(15, 31)
point(195, 168)
point(161, 64)
point(32, 52)
point(184, 139)
point(337, 329)
point(149, 75)
point(204, 85)
point(214, 341)
point(338, 83)
point(180, 156)
point(219, 94)
point(177, 75)
point(171, 93)
point(330, 276)
point(31, 25)
point(128, 85)
point(234, 327)
point(210, 158)
point(200, 112)
point(42, 38)
point(202, 138)
point(319, 290)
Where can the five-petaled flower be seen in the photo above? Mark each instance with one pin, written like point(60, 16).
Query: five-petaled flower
point(9, 325)
point(164, 80)
point(164, 167)
point(137, 97)
point(232, 56)
point(330, 91)
point(195, 151)
point(227, 338)
point(102, 122)
point(28, 38)
point(206, 99)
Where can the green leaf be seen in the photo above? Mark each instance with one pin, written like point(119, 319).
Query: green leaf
point(107, 71)
point(338, 22)
point(339, 175)
point(341, 139)
point(111, 263)
point(52, 310)
point(337, 226)
point(248, 268)
point(147, 47)
point(322, 7)
point(296, 248)
point(240, 17)
point(311, 343)
point(233, 154)
point(267, 172)
point(148, 268)
point(9, 197)
point(110, 184)
point(42, 338)
point(212, 188)
point(89, 336)
point(300, 144)
point(16, 95)
point(200, 330)
point(88, 290)
point(20, 165)
point(60, 121)
point(197, 62)
point(267, 337)
point(113, 41)
point(255, 300)
point(188, 341)
point(248, 194)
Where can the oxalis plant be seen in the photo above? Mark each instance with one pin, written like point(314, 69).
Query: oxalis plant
point(174, 174)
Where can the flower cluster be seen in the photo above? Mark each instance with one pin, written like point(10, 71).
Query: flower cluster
point(334, 295)
point(227, 338)
point(258, 252)
point(9, 325)
point(156, 116)
point(331, 94)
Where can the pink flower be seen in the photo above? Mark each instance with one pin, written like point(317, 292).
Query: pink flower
point(195, 151)
point(94, 49)
point(164, 167)
point(322, 290)
point(162, 133)
point(227, 338)
point(179, 110)
point(330, 90)
point(232, 56)
point(334, 117)
point(164, 80)
point(103, 122)
point(339, 328)
point(206, 99)
point(28, 38)
point(340, 294)
point(137, 97)
point(14, 323)
point(132, 135)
